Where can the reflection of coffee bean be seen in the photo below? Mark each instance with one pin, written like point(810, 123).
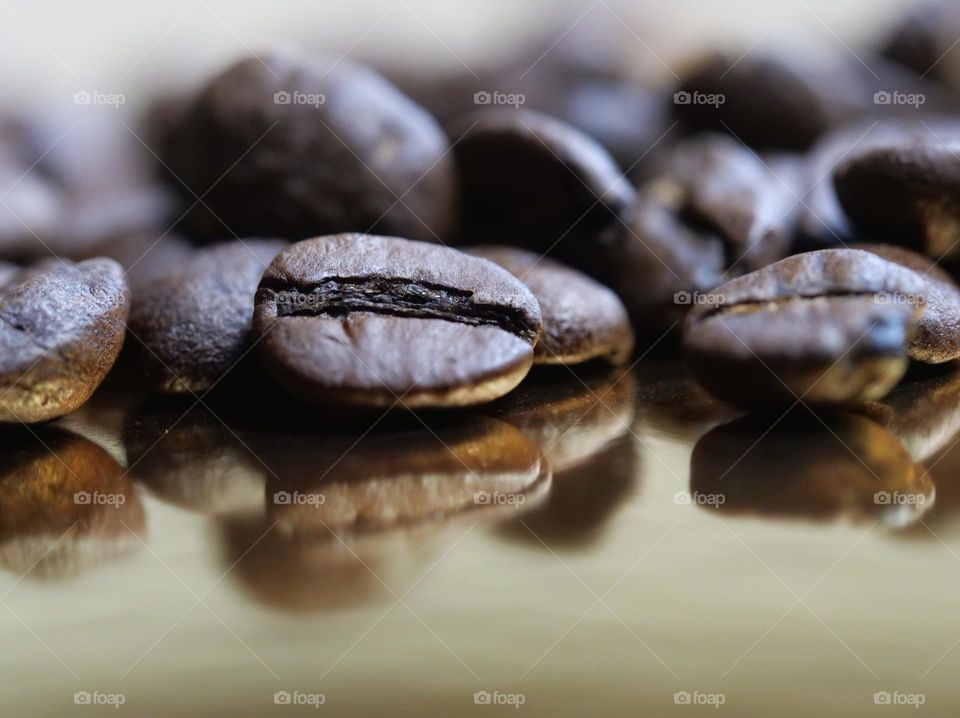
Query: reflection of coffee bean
point(293, 145)
point(805, 466)
point(189, 457)
point(194, 323)
point(385, 478)
point(571, 418)
point(825, 327)
point(60, 333)
point(375, 321)
point(582, 320)
point(64, 503)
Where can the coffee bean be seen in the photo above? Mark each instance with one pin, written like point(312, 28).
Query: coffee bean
point(723, 185)
point(379, 321)
point(832, 326)
point(907, 194)
point(194, 323)
point(60, 332)
point(294, 145)
point(830, 465)
point(393, 477)
point(65, 504)
point(582, 319)
point(938, 330)
point(145, 257)
point(535, 182)
point(30, 215)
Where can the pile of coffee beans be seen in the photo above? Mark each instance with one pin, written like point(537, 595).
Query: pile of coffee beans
point(786, 220)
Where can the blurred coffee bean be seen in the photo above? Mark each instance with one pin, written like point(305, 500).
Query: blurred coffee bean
point(30, 214)
point(830, 466)
point(832, 326)
point(532, 181)
point(582, 500)
point(8, 272)
point(571, 418)
point(390, 477)
point(379, 321)
point(582, 319)
point(788, 96)
point(193, 323)
point(294, 145)
point(923, 40)
point(672, 404)
point(145, 257)
point(189, 457)
point(923, 413)
point(723, 185)
point(65, 504)
point(60, 332)
point(906, 194)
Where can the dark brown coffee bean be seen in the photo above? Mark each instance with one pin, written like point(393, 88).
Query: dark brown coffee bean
point(60, 332)
point(937, 339)
point(723, 185)
point(388, 478)
point(294, 145)
point(907, 194)
point(535, 182)
point(65, 504)
point(194, 323)
point(787, 97)
point(582, 319)
point(379, 321)
point(814, 467)
point(832, 326)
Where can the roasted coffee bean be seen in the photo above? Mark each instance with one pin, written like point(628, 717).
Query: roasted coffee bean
point(392, 477)
point(832, 326)
point(60, 332)
point(294, 145)
point(535, 182)
point(907, 194)
point(64, 504)
point(380, 321)
point(722, 185)
point(582, 320)
point(938, 332)
point(833, 465)
point(194, 323)
point(787, 97)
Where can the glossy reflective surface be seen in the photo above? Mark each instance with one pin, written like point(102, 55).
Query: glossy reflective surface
point(610, 543)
